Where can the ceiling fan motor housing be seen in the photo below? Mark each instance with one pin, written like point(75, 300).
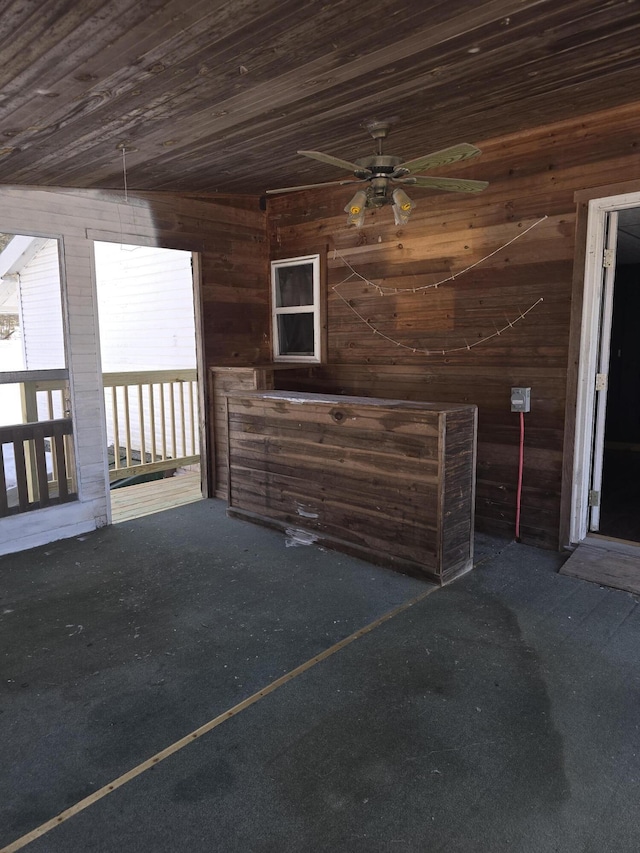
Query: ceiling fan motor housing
point(380, 164)
point(377, 170)
point(378, 192)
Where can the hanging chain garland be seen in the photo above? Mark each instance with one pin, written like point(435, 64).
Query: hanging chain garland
point(383, 291)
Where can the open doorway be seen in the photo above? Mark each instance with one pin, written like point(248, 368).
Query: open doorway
point(620, 491)
point(606, 491)
point(37, 459)
point(149, 356)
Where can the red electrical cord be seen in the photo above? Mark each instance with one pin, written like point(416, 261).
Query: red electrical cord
point(520, 467)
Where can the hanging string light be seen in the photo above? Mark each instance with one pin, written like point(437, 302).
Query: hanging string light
point(382, 291)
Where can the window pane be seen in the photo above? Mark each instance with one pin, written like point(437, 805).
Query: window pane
point(30, 304)
point(294, 285)
point(295, 332)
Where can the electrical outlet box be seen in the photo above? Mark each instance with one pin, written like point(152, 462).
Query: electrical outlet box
point(521, 399)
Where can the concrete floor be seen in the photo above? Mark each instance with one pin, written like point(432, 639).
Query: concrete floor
point(501, 713)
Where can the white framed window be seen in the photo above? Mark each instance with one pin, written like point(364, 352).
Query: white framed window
point(295, 300)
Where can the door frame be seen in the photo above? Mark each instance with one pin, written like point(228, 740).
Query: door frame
point(198, 309)
point(598, 210)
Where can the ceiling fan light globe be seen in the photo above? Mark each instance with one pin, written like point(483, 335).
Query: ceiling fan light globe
point(401, 217)
point(357, 204)
point(355, 209)
point(402, 201)
point(356, 219)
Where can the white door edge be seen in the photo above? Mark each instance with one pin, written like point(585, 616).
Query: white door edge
point(608, 274)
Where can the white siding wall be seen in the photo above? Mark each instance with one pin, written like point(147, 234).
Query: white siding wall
point(145, 302)
point(40, 299)
point(77, 217)
point(11, 358)
point(145, 305)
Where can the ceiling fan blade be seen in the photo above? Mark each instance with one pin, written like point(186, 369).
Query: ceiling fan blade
point(438, 158)
point(333, 161)
point(454, 185)
point(311, 186)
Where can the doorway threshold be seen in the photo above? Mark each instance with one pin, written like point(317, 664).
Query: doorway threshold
point(156, 496)
point(611, 543)
point(607, 562)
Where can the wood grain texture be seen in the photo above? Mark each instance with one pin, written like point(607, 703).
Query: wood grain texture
point(221, 381)
point(392, 481)
point(607, 567)
point(218, 95)
point(532, 175)
point(155, 496)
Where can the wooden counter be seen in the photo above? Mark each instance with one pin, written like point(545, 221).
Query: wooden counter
point(222, 380)
point(390, 481)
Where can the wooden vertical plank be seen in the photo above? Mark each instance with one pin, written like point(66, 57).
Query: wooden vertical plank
point(193, 421)
point(58, 449)
point(21, 474)
point(30, 415)
point(172, 410)
point(127, 425)
point(228, 452)
point(152, 422)
point(143, 450)
point(163, 421)
point(200, 426)
point(116, 428)
point(183, 422)
point(4, 502)
point(51, 413)
point(41, 467)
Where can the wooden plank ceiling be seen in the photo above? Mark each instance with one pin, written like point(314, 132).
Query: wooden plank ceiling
point(218, 95)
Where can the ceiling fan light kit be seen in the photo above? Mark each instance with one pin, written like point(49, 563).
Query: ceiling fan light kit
point(385, 174)
point(355, 209)
point(402, 206)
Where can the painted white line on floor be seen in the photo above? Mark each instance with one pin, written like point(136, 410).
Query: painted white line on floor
point(19, 843)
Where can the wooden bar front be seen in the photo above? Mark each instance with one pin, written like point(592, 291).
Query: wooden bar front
point(223, 380)
point(390, 481)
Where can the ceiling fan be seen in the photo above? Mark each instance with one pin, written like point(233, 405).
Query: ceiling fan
point(383, 176)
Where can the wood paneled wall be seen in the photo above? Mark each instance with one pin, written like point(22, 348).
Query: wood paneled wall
point(532, 175)
point(235, 284)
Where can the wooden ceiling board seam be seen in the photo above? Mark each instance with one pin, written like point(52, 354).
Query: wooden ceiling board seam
point(583, 50)
point(178, 152)
point(65, 65)
point(116, 83)
point(415, 40)
point(132, 38)
point(25, 42)
point(120, 128)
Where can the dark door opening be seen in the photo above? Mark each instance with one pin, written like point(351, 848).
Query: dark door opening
point(620, 495)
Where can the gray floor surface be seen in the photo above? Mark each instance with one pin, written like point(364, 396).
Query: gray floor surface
point(501, 713)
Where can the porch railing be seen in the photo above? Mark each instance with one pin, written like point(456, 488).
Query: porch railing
point(152, 421)
point(30, 439)
point(152, 424)
point(36, 456)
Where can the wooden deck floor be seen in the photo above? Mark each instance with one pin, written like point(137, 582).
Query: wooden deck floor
point(147, 498)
